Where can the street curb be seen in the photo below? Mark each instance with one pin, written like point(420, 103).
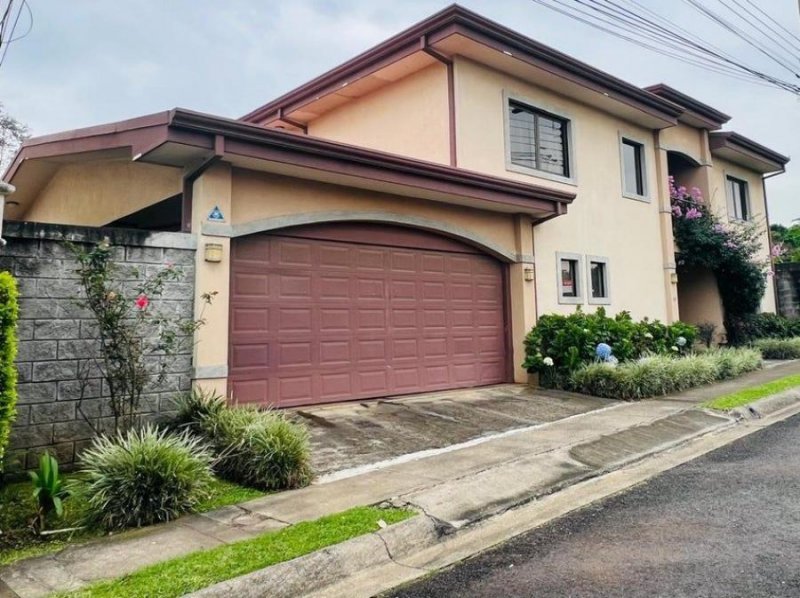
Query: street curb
point(403, 552)
point(767, 406)
point(324, 568)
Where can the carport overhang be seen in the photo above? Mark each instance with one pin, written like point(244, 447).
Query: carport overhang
point(191, 140)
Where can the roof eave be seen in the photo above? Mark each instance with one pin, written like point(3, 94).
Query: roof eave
point(455, 18)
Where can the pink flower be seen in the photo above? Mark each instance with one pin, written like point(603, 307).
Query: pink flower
point(676, 211)
point(731, 244)
point(778, 250)
point(693, 214)
point(142, 301)
point(682, 191)
point(169, 265)
point(696, 194)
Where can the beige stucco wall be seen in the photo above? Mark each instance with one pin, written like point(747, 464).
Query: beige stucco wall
point(600, 222)
point(685, 140)
point(257, 200)
point(718, 196)
point(407, 117)
point(99, 192)
point(699, 299)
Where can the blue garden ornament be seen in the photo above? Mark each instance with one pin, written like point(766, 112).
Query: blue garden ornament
point(603, 352)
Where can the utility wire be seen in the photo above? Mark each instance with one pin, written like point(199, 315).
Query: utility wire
point(741, 34)
point(794, 46)
point(7, 38)
point(780, 26)
point(637, 24)
point(706, 65)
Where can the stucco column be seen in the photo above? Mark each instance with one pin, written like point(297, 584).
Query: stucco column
point(667, 240)
point(5, 190)
point(522, 294)
point(211, 191)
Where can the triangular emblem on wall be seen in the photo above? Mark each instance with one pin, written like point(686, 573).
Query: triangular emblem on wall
point(216, 215)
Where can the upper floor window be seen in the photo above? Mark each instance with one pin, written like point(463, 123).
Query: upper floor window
point(633, 178)
point(738, 199)
point(538, 139)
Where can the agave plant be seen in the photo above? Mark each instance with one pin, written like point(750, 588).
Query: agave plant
point(48, 491)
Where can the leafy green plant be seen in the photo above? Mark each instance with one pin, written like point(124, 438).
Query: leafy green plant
point(779, 348)
point(48, 491)
point(764, 325)
point(662, 374)
point(195, 407)
point(705, 333)
point(262, 449)
point(9, 314)
point(137, 342)
point(558, 345)
point(145, 476)
point(730, 250)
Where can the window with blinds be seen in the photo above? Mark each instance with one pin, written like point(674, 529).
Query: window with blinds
point(538, 139)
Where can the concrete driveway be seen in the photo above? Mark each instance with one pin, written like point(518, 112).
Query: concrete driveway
point(358, 434)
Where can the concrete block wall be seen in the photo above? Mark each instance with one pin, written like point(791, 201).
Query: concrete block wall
point(787, 283)
point(58, 338)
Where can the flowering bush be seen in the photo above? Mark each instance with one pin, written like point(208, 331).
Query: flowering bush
point(558, 345)
point(136, 342)
point(729, 251)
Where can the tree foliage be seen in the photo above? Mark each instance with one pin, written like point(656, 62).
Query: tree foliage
point(12, 134)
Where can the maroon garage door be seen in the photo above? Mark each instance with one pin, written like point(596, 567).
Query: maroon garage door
point(352, 311)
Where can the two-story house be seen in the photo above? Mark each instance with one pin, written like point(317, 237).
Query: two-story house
point(397, 224)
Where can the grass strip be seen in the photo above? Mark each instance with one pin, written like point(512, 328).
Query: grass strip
point(198, 570)
point(748, 395)
point(17, 507)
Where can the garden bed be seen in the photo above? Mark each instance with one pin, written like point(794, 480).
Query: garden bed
point(17, 508)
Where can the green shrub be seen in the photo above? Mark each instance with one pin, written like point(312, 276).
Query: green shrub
point(661, 374)
point(262, 449)
point(146, 476)
point(9, 313)
point(764, 325)
point(779, 348)
point(571, 341)
point(195, 406)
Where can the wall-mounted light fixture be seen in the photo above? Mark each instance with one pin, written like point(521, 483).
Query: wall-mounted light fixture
point(529, 274)
point(213, 252)
point(673, 278)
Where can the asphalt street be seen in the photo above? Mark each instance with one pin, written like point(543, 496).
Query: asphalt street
point(726, 524)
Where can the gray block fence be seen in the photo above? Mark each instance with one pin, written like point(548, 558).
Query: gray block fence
point(58, 339)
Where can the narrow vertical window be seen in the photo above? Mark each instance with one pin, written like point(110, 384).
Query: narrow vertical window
point(738, 199)
point(569, 278)
point(633, 168)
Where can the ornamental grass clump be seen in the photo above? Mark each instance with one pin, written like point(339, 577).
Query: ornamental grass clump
point(262, 449)
point(146, 476)
point(660, 374)
point(779, 348)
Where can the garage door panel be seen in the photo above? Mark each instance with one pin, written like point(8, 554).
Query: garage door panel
point(318, 320)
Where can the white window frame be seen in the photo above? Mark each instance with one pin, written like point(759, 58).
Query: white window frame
point(572, 179)
point(606, 300)
point(730, 205)
point(645, 197)
point(578, 259)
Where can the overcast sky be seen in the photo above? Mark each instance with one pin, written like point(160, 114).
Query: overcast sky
point(88, 61)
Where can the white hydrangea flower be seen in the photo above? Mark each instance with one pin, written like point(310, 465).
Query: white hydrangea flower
point(548, 361)
point(648, 335)
point(674, 348)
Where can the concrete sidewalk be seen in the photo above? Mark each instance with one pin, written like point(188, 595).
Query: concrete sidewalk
point(456, 486)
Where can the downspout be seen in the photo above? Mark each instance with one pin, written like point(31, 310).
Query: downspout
point(769, 230)
point(451, 94)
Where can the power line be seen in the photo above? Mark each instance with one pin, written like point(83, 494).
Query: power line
point(635, 23)
point(7, 38)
